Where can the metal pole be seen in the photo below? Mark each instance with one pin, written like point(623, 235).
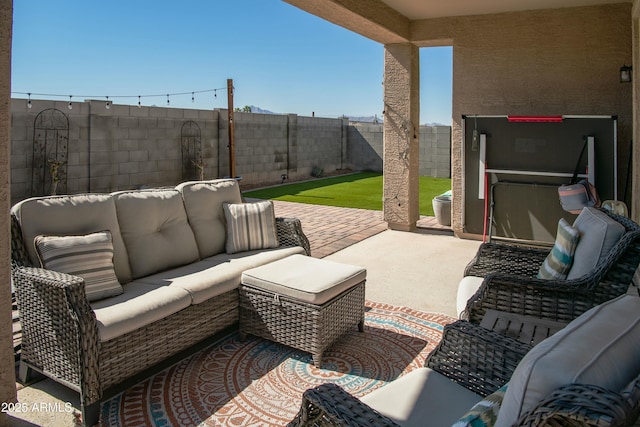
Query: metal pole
point(232, 154)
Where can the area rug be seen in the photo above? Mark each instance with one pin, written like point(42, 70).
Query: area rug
point(259, 383)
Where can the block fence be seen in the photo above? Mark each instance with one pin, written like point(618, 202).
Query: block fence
point(126, 147)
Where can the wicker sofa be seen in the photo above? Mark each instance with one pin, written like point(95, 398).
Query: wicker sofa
point(503, 276)
point(174, 258)
point(586, 374)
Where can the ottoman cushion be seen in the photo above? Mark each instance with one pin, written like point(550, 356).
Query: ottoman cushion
point(304, 278)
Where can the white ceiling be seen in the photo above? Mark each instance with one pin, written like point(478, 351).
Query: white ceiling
point(424, 9)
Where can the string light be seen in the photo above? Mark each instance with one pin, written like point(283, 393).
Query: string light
point(109, 99)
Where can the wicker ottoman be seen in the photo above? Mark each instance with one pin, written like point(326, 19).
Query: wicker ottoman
point(302, 302)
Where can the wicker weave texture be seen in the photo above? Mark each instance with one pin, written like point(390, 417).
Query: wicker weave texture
point(290, 234)
point(510, 283)
point(329, 405)
point(307, 327)
point(129, 354)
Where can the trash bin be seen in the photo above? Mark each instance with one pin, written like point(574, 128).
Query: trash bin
point(442, 208)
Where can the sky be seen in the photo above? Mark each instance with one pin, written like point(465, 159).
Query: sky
point(280, 58)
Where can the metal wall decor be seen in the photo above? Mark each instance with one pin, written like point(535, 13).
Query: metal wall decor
point(192, 157)
point(50, 153)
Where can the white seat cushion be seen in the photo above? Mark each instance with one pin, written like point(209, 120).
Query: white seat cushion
point(422, 397)
point(308, 279)
point(601, 347)
point(218, 274)
point(139, 306)
point(467, 288)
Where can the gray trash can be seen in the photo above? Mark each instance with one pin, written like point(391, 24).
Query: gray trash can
point(442, 208)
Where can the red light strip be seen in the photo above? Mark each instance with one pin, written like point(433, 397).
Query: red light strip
point(534, 119)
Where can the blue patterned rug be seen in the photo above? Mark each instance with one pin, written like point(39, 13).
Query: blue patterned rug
point(257, 382)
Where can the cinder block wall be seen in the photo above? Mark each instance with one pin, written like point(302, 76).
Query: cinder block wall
point(127, 147)
point(366, 145)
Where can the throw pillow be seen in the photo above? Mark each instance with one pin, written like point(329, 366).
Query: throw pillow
point(89, 256)
point(250, 226)
point(485, 412)
point(559, 261)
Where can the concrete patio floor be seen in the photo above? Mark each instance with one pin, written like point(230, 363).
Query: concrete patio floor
point(420, 270)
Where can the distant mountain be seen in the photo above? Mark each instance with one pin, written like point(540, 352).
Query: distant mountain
point(367, 119)
point(435, 124)
point(259, 110)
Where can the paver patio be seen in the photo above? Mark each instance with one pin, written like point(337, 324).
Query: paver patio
point(331, 228)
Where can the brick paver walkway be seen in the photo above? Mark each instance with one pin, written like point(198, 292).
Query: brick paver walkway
point(330, 228)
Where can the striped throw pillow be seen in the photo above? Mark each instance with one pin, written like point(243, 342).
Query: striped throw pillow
point(558, 262)
point(250, 226)
point(89, 256)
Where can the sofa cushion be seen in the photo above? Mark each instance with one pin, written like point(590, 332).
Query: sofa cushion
point(559, 261)
point(422, 394)
point(89, 256)
point(305, 278)
point(598, 235)
point(484, 413)
point(600, 347)
point(155, 230)
point(218, 274)
point(72, 215)
point(250, 226)
point(203, 203)
point(138, 306)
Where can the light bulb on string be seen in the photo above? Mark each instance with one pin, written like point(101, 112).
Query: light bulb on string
point(168, 103)
point(107, 105)
point(193, 98)
point(139, 104)
point(29, 101)
point(215, 93)
point(70, 106)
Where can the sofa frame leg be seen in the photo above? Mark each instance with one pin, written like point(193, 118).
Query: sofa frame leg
point(91, 414)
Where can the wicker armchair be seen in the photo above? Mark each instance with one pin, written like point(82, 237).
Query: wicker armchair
point(481, 361)
point(510, 282)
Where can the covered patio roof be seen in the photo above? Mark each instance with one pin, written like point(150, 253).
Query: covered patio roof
point(531, 57)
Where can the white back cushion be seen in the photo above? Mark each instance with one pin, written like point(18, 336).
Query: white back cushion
point(203, 202)
point(72, 215)
point(155, 230)
point(600, 347)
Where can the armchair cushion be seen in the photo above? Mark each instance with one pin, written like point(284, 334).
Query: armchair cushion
point(598, 234)
point(250, 226)
point(423, 394)
point(600, 348)
point(559, 261)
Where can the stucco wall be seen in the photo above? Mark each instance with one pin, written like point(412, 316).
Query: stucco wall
point(7, 370)
point(549, 62)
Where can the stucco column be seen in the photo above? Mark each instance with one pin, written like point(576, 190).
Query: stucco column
point(7, 366)
point(401, 135)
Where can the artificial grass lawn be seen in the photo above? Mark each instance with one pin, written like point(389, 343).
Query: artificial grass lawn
point(360, 190)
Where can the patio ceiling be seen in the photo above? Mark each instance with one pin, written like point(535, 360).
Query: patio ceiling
point(426, 9)
point(391, 21)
